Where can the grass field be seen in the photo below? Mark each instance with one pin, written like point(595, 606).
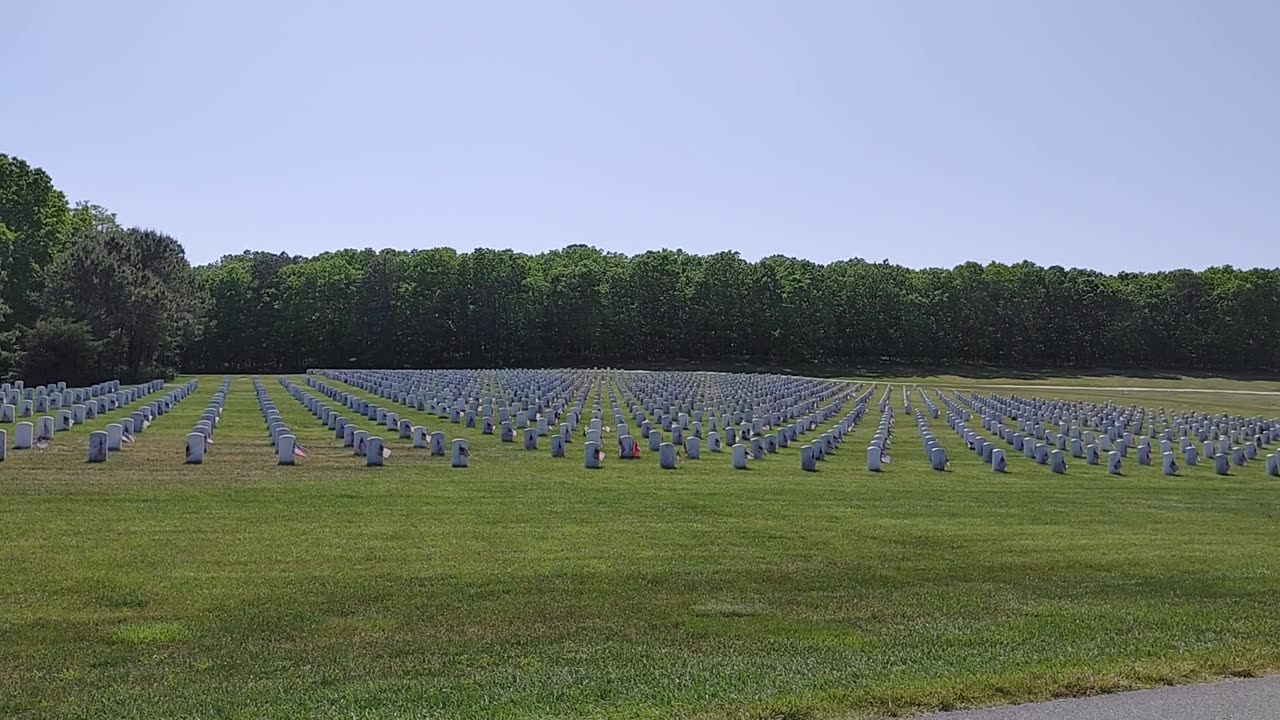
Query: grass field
point(530, 587)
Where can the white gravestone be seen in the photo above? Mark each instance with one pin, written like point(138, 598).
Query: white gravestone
point(195, 448)
point(373, 452)
point(1114, 462)
point(98, 446)
point(874, 455)
point(667, 456)
point(998, 463)
point(808, 458)
point(284, 449)
point(591, 455)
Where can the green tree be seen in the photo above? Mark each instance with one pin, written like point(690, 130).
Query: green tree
point(61, 350)
point(137, 292)
point(35, 226)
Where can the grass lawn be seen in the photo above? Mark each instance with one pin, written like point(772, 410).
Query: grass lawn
point(530, 587)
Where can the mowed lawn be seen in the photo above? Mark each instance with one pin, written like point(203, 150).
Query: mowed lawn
point(530, 587)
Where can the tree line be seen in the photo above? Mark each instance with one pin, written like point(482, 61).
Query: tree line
point(82, 297)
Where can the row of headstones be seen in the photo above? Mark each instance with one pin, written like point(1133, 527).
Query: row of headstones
point(528, 383)
point(417, 434)
point(934, 453)
point(878, 448)
point(383, 415)
point(201, 435)
point(85, 408)
point(794, 397)
point(542, 429)
point(113, 437)
point(387, 388)
point(28, 435)
point(373, 448)
point(1115, 421)
point(1040, 452)
point(1116, 444)
point(1083, 446)
point(54, 395)
point(436, 400)
point(759, 445)
point(379, 383)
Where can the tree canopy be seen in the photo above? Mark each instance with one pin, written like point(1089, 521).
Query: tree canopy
point(581, 305)
point(125, 302)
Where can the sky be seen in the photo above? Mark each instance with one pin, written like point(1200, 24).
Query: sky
point(1109, 134)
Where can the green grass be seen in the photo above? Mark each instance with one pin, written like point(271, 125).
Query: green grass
point(530, 587)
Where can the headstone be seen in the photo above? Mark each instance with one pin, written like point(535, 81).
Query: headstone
point(1058, 461)
point(373, 452)
point(23, 436)
point(938, 458)
point(115, 436)
point(460, 453)
point(808, 458)
point(557, 446)
point(284, 449)
point(1113, 462)
point(998, 463)
point(1170, 463)
point(667, 456)
point(419, 435)
point(873, 458)
point(437, 443)
point(44, 428)
point(195, 448)
point(591, 455)
point(739, 456)
point(693, 447)
point(1222, 464)
point(98, 446)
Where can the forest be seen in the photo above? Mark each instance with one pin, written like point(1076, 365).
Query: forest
point(83, 298)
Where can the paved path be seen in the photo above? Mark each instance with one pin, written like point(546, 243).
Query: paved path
point(1254, 699)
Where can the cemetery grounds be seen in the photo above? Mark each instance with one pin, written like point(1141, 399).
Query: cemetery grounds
point(527, 586)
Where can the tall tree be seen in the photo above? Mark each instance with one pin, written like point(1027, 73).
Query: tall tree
point(35, 226)
point(137, 292)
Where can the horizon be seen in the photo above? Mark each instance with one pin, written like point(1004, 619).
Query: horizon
point(1131, 138)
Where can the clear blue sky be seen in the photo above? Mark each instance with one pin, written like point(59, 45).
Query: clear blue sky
point(1114, 135)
